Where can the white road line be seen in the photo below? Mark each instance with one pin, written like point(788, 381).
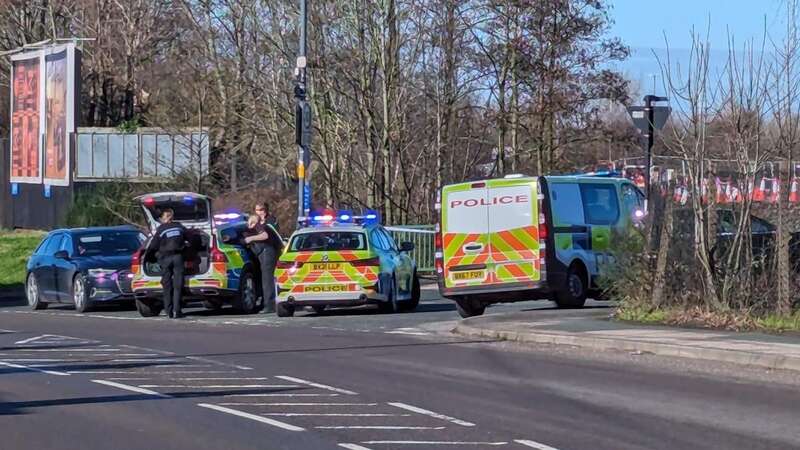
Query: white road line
point(221, 378)
point(257, 418)
point(131, 388)
point(128, 372)
point(335, 415)
point(197, 358)
point(282, 395)
point(7, 331)
point(194, 366)
point(374, 427)
point(144, 360)
point(298, 404)
point(218, 386)
point(161, 352)
point(72, 350)
point(434, 443)
point(37, 360)
point(353, 447)
point(534, 444)
point(316, 385)
point(25, 341)
point(432, 414)
point(32, 369)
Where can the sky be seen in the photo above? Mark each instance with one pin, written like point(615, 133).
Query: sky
point(643, 25)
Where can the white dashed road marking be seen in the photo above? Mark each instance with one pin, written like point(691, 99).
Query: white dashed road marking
point(434, 443)
point(219, 363)
point(217, 386)
point(282, 395)
point(534, 444)
point(298, 404)
point(316, 385)
point(375, 427)
point(255, 417)
point(131, 388)
point(432, 414)
point(353, 447)
point(335, 415)
point(33, 369)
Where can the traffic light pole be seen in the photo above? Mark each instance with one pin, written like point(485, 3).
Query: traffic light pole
point(302, 117)
point(648, 107)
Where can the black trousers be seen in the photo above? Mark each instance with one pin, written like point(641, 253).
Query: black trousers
point(172, 282)
point(267, 259)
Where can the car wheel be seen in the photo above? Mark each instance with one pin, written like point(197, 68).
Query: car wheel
point(319, 309)
point(149, 307)
point(468, 307)
point(79, 295)
point(32, 293)
point(573, 293)
point(416, 294)
point(282, 309)
point(390, 305)
point(245, 301)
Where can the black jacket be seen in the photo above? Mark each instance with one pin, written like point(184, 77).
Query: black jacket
point(169, 238)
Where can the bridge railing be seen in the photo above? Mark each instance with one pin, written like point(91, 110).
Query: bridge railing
point(422, 236)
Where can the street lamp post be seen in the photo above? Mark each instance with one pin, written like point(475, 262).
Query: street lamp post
point(648, 119)
point(302, 118)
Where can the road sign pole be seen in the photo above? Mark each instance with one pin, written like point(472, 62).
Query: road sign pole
point(302, 117)
point(648, 107)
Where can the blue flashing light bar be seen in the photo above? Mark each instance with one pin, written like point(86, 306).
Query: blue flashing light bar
point(328, 218)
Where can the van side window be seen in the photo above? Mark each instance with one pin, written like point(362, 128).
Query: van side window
point(566, 201)
point(377, 240)
point(600, 203)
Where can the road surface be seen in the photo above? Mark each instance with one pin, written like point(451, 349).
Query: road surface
point(355, 379)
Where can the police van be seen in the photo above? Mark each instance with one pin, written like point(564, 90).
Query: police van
point(525, 238)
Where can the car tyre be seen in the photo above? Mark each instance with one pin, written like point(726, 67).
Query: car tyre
point(246, 301)
point(468, 307)
point(390, 305)
point(282, 309)
point(416, 294)
point(319, 309)
point(32, 293)
point(79, 295)
point(148, 307)
point(573, 293)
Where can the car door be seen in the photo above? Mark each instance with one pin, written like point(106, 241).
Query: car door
point(64, 270)
point(404, 266)
point(45, 270)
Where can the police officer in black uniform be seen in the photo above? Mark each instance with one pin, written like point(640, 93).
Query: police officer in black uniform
point(169, 241)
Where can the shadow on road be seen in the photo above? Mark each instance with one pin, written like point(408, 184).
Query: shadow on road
point(13, 408)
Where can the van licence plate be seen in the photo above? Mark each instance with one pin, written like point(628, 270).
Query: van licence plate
point(468, 275)
point(326, 266)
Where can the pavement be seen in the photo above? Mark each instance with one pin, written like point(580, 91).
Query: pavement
point(595, 329)
point(359, 380)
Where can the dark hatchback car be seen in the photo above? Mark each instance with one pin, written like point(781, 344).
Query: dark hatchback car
point(82, 266)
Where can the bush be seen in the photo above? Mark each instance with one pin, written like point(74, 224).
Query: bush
point(16, 247)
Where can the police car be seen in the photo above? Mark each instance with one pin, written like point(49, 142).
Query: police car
point(338, 259)
point(218, 268)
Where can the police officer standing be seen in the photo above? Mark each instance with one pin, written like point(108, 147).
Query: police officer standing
point(267, 245)
point(169, 241)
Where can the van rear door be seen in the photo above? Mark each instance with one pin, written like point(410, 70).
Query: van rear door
point(465, 242)
point(514, 230)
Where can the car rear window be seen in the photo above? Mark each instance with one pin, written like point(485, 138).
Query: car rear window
point(325, 241)
point(108, 243)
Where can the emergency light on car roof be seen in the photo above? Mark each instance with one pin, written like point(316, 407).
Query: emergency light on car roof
point(327, 218)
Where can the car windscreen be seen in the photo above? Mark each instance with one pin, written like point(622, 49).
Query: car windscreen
point(328, 241)
point(107, 243)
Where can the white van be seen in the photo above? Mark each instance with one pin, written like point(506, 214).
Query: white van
point(526, 238)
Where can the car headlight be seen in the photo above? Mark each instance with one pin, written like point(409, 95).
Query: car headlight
point(100, 273)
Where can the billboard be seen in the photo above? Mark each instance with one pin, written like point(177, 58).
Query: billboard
point(25, 118)
point(43, 110)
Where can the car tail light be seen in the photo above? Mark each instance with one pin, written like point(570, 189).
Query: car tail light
point(218, 256)
point(136, 260)
point(543, 231)
point(375, 261)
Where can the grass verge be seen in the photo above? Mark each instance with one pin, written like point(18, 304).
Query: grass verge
point(699, 318)
point(15, 248)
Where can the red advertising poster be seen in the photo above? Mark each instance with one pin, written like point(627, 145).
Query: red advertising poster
point(55, 154)
point(25, 121)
